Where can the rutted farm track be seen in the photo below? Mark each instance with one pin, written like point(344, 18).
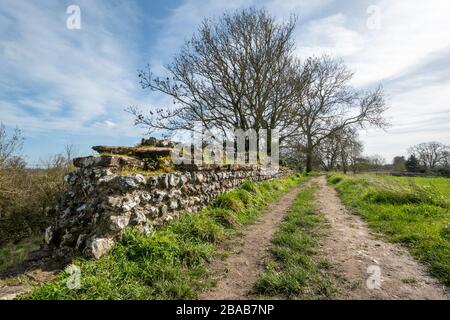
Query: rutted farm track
point(238, 273)
point(352, 249)
point(355, 251)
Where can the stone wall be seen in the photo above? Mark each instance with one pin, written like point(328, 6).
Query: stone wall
point(104, 197)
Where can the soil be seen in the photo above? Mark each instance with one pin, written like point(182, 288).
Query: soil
point(39, 267)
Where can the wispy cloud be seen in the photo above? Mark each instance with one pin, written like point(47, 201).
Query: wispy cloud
point(69, 79)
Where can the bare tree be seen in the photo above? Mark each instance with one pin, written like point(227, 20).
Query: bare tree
point(339, 150)
point(70, 152)
point(328, 153)
point(329, 104)
point(355, 156)
point(10, 145)
point(292, 153)
point(430, 154)
point(236, 72)
point(350, 149)
point(376, 161)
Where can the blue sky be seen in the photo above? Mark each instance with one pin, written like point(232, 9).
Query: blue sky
point(64, 86)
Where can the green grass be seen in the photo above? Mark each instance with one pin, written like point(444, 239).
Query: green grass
point(171, 262)
point(11, 253)
point(293, 273)
point(411, 211)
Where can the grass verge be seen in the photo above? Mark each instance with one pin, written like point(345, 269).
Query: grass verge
point(411, 211)
point(292, 273)
point(171, 262)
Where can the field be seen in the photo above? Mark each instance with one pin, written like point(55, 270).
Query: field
point(412, 211)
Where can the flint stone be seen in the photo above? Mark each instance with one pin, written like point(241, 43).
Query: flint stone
point(183, 180)
point(152, 182)
point(173, 205)
point(152, 211)
point(112, 203)
point(82, 208)
point(83, 162)
point(101, 246)
point(119, 223)
point(67, 239)
point(129, 203)
point(80, 241)
point(175, 193)
point(132, 181)
point(199, 177)
point(164, 181)
point(147, 229)
point(173, 180)
point(163, 210)
point(139, 217)
point(48, 235)
point(105, 179)
point(160, 196)
point(145, 196)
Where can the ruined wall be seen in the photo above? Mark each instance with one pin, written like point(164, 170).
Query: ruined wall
point(104, 197)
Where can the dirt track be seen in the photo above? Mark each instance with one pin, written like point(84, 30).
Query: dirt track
point(357, 254)
point(365, 267)
point(239, 271)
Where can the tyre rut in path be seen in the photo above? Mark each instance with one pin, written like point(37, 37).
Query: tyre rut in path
point(352, 248)
point(246, 262)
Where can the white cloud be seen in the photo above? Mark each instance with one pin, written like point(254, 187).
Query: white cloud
point(409, 32)
point(328, 35)
point(68, 78)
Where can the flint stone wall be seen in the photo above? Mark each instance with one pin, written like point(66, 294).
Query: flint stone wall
point(101, 202)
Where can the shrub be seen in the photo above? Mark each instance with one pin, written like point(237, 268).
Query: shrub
point(27, 200)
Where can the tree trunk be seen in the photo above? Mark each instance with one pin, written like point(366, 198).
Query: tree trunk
point(344, 165)
point(309, 159)
point(308, 162)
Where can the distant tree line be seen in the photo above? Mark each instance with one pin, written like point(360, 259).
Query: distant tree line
point(426, 157)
